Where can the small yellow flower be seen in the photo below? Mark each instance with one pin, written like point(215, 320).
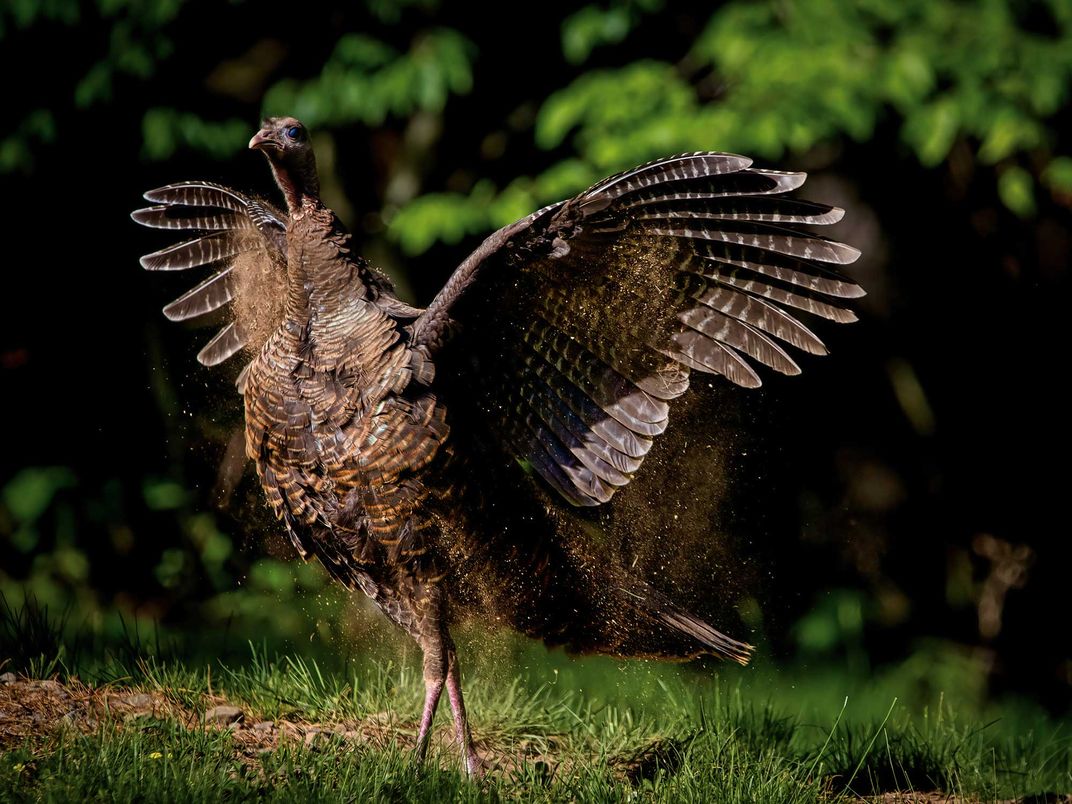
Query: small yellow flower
point(19, 766)
point(155, 755)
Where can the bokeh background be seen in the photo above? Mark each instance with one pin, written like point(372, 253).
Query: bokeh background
point(910, 493)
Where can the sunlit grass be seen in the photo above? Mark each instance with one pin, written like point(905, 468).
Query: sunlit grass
point(559, 728)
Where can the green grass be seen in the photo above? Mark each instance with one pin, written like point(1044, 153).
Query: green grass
point(560, 728)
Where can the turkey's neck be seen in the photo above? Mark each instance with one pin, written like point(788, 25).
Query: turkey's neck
point(327, 304)
point(318, 274)
point(300, 185)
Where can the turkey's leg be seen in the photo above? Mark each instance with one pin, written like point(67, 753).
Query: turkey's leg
point(474, 766)
point(434, 676)
point(440, 667)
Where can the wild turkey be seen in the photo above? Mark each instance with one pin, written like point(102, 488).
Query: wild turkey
point(439, 459)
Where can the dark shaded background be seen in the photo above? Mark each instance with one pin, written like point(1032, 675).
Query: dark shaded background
point(909, 488)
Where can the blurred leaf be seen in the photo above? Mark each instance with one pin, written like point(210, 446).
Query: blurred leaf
point(592, 26)
point(362, 52)
point(1017, 190)
point(365, 80)
point(95, 86)
point(390, 11)
point(441, 216)
point(71, 564)
point(166, 130)
point(610, 102)
point(565, 179)
point(313, 576)
point(1058, 174)
point(836, 621)
point(1010, 132)
point(932, 130)
point(171, 567)
point(24, 13)
point(512, 204)
point(273, 576)
point(15, 154)
point(30, 492)
point(909, 77)
point(163, 495)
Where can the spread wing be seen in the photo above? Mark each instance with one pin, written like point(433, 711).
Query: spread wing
point(241, 241)
point(578, 326)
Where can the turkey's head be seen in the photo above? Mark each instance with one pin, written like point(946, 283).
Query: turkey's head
point(285, 142)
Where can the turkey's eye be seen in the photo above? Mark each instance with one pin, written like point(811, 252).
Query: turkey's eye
point(294, 133)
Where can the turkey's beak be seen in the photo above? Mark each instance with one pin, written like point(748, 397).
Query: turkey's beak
point(262, 140)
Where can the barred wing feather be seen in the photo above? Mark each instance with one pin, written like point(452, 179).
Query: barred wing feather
point(579, 325)
point(240, 239)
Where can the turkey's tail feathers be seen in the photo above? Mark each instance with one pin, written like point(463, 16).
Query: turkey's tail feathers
point(633, 620)
point(650, 612)
point(720, 644)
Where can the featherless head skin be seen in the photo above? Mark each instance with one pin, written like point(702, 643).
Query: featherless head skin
point(281, 137)
point(285, 143)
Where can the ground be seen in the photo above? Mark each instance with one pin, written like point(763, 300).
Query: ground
point(552, 728)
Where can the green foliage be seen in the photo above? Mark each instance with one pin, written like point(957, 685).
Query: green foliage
point(772, 78)
point(441, 216)
point(49, 519)
point(1058, 174)
point(836, 621)
point(1017, 190)
point(390, 11)
point(593, 26)
point(166, 130)
point(16, 153)
point(29, 493)
point(27, 497)
point(765, 79)
point(136, 44)
point(606, 105)
point(365, 80)
point(24, 13)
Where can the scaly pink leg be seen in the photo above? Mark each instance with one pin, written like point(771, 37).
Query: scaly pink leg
point(441, 665)
point(474, 765)
point(433, 688)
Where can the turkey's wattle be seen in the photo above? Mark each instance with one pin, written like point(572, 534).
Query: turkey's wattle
point(429, 457)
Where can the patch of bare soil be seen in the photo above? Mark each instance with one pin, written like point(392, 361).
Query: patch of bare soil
point(31, 708)
point(36, 710)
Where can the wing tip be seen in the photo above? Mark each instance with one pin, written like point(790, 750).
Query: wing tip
point(786, 180)
point(833, 215)
point(853, 291)
point(847, 254)
point(227, 342)
point(749, 381)
point(156, 194)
